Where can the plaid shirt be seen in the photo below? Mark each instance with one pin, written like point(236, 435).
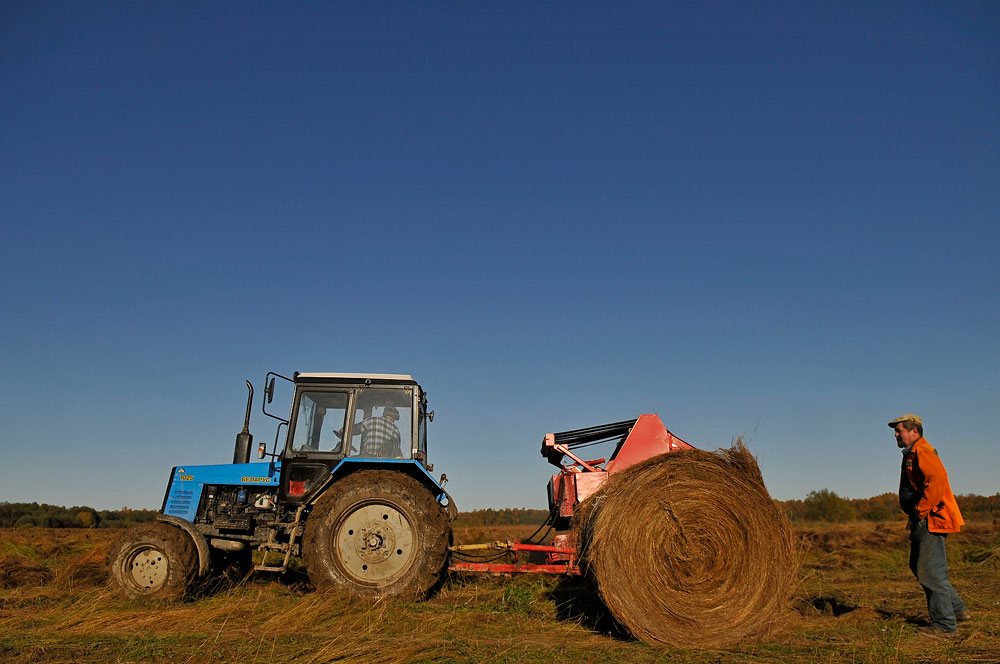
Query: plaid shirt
point(379, 438)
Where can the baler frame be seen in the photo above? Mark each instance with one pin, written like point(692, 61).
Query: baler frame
point(636, 440)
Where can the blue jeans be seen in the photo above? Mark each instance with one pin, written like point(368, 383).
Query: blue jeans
point(929, 564)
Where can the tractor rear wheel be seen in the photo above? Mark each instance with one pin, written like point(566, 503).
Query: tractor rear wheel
point(153, 560)
point(377, 532)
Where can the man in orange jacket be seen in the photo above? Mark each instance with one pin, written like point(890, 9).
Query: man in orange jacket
point(926, 497)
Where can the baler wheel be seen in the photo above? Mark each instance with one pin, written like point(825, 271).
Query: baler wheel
point(377, 532)
point(153, 560)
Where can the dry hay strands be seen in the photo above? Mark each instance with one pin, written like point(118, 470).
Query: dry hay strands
point(688, 549)
point(20, 571)
point(984, 555)
point(86, 571)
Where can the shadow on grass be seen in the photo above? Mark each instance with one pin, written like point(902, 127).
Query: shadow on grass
point(221, 581)
point(833, 606)
point(576, 599)
point(826, 605)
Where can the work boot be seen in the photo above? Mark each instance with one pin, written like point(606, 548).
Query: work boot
point(963, 616)
point(936, 632)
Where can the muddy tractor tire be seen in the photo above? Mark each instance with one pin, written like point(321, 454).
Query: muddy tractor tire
point(153, 560)
point(376, 533)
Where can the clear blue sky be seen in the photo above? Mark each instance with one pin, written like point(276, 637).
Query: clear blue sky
point(778, 218)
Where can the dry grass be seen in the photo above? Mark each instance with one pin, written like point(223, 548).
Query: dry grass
point(17, 571)
point(860, 609)
point(688, 549)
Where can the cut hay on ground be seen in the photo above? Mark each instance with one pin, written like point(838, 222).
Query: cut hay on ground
point(688, 549)
point(20, 571)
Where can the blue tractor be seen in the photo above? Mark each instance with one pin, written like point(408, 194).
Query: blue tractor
point(350, 491)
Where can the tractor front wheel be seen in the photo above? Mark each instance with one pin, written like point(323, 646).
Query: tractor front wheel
point(153, 560)
point(377, 532)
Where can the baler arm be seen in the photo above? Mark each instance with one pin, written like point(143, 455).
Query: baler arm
point(557, 445)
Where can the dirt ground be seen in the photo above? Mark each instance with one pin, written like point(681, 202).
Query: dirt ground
point(856, 601)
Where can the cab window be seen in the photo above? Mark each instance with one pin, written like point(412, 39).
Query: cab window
point(319, 422)
point(383, 424)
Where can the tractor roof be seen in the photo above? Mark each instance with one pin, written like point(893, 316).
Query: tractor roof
point(383, 379)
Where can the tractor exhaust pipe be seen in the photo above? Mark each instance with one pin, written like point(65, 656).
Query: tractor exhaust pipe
point(244, 439)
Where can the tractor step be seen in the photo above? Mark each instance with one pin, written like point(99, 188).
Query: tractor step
point(272, 545)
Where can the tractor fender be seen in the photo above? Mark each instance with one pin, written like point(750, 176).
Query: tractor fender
point(407, 466)
point(451, 507)
point(204, 555)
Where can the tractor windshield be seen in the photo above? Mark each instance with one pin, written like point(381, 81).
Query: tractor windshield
point(319, 423)
point(382, 424)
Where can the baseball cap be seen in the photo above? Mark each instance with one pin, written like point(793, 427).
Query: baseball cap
point(909, 417)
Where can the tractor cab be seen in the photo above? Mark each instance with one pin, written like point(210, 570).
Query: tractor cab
point(334, 417)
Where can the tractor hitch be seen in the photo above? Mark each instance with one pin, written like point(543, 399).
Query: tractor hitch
point(560, 558)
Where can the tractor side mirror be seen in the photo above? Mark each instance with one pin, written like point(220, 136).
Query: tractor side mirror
point(430, 416)
point(269, 392)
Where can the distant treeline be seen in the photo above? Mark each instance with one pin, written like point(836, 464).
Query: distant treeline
point(825, 505)
point(502, 517)
point(822, 505)
point(25, 515)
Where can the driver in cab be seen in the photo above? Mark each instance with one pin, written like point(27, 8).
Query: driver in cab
point(379, 434)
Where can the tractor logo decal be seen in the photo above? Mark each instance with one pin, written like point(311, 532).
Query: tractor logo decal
point(187, 478)
point(256, 480)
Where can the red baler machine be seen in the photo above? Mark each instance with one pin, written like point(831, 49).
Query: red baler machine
point(636, 440)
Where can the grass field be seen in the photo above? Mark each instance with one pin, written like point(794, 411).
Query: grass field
point(856, 602)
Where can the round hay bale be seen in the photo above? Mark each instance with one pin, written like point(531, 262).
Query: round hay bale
point(688, 549)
